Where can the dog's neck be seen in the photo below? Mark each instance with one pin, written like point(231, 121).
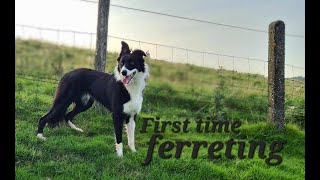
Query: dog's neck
point(138, 83)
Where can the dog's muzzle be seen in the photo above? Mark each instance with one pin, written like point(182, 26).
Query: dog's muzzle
point(124, 73)
point(127, 78)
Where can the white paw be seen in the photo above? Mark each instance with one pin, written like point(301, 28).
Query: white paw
point(40, 136)
point(79, 129)
point(132, 147)
point(120, 154)
point(119, 149)
point(74, 127)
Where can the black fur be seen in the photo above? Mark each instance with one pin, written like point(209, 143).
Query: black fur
point(102, 87)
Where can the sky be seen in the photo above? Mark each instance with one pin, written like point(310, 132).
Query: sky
point(256, 14)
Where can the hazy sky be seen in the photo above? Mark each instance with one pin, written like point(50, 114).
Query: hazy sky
point(255, 14)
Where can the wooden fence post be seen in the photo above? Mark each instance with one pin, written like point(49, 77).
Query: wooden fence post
point(102, 34)
point(276, 78)
point(101, 41)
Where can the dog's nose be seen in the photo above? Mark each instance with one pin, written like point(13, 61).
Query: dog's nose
point(124, 72)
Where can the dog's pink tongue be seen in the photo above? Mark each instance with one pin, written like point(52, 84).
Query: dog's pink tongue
point(126, 80)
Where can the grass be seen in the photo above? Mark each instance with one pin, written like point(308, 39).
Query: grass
point(68, 154)
point(245, 95)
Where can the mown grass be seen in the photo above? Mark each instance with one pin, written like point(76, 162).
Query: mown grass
point(68, 154)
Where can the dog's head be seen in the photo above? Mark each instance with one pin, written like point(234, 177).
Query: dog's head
point(131, 65)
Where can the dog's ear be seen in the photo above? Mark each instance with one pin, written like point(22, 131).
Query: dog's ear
point(139, 53)
point(124, 49)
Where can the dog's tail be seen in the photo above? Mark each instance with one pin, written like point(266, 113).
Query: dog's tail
point(61, 102)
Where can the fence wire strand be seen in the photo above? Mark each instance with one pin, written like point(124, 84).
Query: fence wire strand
point(220, 67)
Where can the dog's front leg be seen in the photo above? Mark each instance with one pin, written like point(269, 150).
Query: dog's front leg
point(130, 131)
point(118, 119)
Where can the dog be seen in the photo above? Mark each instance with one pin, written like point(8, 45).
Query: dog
point(121, 93)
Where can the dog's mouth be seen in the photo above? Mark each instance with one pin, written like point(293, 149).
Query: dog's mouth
point(127, 79)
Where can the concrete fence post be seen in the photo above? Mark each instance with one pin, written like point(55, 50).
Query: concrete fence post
point(276, 78)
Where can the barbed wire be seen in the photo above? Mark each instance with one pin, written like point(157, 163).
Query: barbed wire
point(195, 20)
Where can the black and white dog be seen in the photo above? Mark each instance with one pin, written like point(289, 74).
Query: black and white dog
point(120, 92)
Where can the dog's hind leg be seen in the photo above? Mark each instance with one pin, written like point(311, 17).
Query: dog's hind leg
point(54, 116)
point(78, 108)
point(41, 124)
point(65, 94)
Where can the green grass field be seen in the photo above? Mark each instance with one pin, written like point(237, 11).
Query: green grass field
point(174, 92)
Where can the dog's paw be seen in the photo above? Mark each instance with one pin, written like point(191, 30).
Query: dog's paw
point(74, 127)
point(132, 148)
point(120, 154)
point(79, 129)
point(119, 149)
point(40, 136)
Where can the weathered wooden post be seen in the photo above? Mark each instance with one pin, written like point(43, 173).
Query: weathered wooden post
point(102, 34)
point(101, 41)
point(276, 81)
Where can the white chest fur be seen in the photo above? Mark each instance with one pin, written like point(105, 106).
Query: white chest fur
point(135, 88)
point(133, 106)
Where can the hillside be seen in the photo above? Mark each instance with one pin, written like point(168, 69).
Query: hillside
point(298, 78)
point(239, 96)
point(175, 92)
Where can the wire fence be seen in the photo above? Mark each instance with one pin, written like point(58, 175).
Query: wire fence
point(205, 101)
point(237, 73)
point(242, 69)
point(237, 108)
point(192, 19)
point(88, 41)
